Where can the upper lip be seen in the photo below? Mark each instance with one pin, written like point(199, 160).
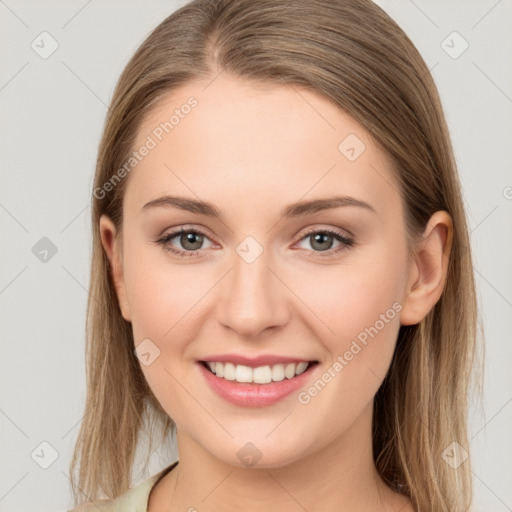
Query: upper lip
point(254, 362)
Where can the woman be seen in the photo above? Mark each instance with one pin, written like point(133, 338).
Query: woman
point(243, 137)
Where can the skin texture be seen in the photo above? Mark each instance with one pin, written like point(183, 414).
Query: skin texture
point(251, 149)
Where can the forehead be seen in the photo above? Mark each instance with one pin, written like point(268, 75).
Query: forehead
point(232, 138)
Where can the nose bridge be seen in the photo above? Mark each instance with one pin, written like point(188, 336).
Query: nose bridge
point(253, 298)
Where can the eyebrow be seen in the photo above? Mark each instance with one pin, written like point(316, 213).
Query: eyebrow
point(298, 209)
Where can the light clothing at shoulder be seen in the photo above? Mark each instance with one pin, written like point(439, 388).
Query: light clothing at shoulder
point(133, 500)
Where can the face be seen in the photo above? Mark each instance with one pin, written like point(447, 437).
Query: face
point(315, 285)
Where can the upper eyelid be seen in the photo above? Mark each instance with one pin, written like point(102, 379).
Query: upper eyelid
point(177, 231)
point(174, 232)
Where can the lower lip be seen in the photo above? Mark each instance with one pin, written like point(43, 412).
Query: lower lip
point(255, 395)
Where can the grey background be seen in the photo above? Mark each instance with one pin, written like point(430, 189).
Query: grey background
point(52, 113)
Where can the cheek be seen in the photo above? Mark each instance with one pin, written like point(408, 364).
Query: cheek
point(358, 307)
point(161, 294)
point(351, 296)
point(163, 298)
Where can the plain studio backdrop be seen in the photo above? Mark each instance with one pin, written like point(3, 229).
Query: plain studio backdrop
point(54, 98)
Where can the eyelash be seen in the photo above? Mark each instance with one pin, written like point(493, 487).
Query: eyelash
point(346, 242)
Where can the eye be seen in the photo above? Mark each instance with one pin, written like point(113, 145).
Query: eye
point(190, 239)
point(322, 241)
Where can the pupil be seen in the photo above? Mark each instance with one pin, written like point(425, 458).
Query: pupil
point(321, 237)
point(189, 238)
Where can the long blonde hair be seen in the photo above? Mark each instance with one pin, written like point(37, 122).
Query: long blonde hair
point(353, 53)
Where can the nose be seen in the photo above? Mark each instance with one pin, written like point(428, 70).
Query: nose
point(253, 299)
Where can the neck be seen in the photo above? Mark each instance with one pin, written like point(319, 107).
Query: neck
point(340, 476)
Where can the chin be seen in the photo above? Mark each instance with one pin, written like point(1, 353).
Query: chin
point(258, 453)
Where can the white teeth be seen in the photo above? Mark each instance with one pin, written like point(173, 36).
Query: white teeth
point(277, 372)
point(243, 373)
point(262, 375)
point(258, 375)
point(301, 368)
point(229, 371)
point(289, 370)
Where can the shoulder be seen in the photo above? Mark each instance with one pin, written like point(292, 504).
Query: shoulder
point(96, 505)
point(134, 499)
point(130, 501)
point(89, 507)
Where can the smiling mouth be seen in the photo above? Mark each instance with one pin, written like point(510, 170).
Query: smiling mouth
point(259, 375)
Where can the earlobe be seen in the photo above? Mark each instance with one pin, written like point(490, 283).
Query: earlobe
point(428, 269)
point(109, 241)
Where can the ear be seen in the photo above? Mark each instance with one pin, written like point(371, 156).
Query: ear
point(110, 245)
point(428, 270)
